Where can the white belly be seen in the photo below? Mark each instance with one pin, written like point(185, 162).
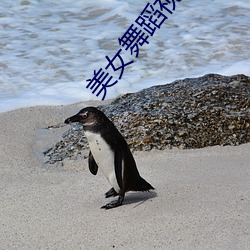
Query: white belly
point(104, 157)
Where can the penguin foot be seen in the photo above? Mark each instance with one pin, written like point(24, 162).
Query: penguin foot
point(113, 204)
point(111, 193)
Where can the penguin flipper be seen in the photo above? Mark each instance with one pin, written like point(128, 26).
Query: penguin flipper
point(118, 166)
point(93, 167)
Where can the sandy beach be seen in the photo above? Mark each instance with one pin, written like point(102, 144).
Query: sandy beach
point(201, 198)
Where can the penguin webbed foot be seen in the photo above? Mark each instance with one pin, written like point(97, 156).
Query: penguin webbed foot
point(115, 203)
point(111, 193)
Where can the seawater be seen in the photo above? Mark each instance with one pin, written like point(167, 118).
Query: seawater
point(48, 49)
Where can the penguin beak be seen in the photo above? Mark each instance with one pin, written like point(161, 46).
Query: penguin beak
point(74, 118)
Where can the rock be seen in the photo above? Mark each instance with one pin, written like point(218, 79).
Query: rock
point(190, 113)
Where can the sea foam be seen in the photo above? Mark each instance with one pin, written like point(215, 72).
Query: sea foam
point(49, 49)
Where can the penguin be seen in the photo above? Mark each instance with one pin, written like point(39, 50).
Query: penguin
point(110, 152)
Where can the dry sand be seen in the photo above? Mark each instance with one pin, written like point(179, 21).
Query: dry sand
point(201, 201)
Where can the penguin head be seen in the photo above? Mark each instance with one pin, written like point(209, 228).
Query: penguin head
point(88, 117)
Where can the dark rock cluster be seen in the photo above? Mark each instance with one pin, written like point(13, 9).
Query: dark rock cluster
point(190, 113)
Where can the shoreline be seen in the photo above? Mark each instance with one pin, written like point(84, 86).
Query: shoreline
point(201, 198)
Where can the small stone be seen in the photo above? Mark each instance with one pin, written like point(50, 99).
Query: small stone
point(182, 132)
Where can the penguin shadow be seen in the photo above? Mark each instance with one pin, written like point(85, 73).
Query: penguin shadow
point(137, 198)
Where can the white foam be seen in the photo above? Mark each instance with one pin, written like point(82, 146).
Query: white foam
point(50, 48)
point(242, 67)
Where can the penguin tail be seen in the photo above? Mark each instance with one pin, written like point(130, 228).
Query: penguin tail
point(141, 185)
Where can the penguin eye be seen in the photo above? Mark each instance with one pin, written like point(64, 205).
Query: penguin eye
point(84, 115)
